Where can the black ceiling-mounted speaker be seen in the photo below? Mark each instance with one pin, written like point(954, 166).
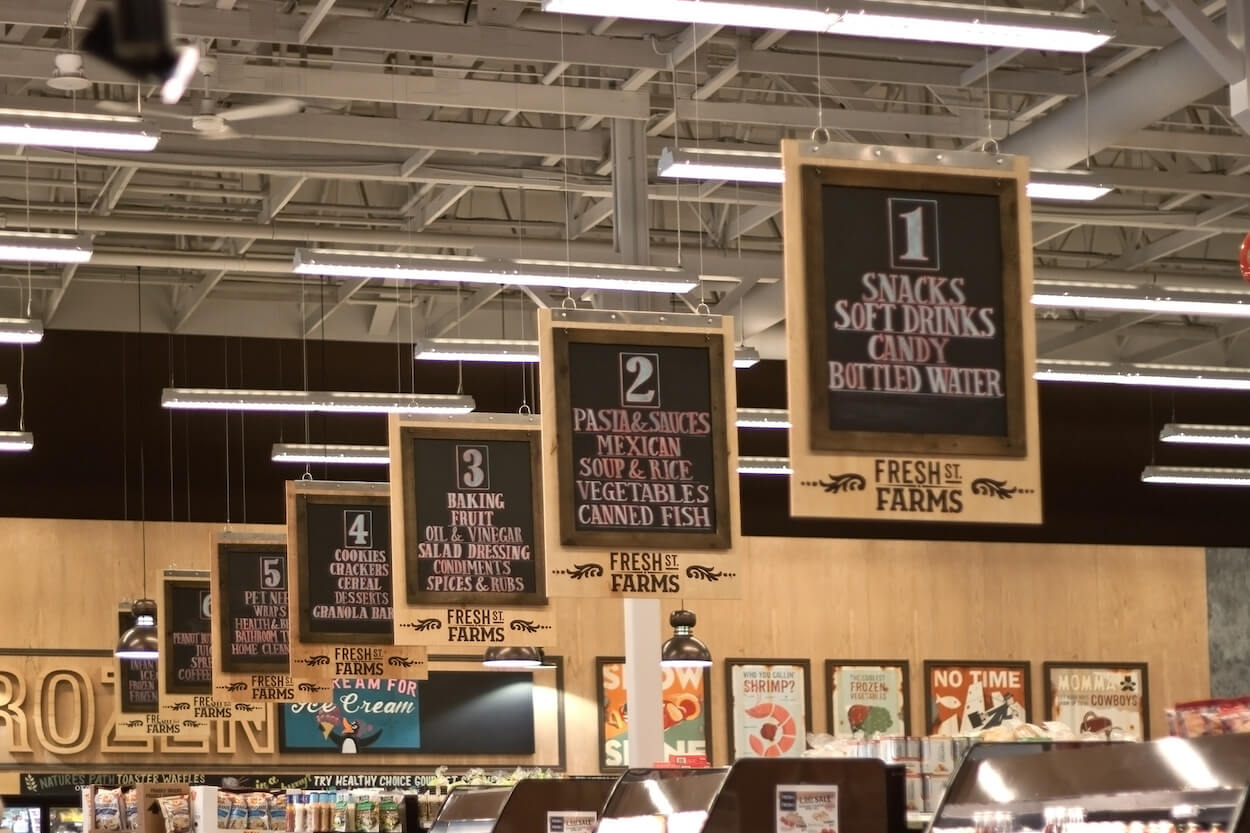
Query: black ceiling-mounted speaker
point(134, 37)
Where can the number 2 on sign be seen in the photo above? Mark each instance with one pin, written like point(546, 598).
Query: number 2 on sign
point(271, 572)
point(640, 380)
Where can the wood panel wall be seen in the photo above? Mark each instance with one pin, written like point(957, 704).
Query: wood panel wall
point(816, 598)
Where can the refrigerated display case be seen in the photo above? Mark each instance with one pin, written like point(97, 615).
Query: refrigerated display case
point(1172, 785)
point(470, 810)
point(21, 818)
point(520, 808)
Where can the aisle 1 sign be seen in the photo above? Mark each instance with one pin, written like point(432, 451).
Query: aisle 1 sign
point(910, 335)
point(641, 455)
point(251, 622)
point(467, 513)
point(341, 601)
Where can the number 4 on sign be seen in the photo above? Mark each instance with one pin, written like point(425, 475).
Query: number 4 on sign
point(359, 528)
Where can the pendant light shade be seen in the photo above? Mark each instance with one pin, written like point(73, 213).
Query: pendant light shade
point(683, 649)
point(140, 641)
point(512, 656)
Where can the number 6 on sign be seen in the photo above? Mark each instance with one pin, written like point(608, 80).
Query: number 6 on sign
point(913, 234)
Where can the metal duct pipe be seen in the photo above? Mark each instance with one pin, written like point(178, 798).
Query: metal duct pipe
point(1146, 92)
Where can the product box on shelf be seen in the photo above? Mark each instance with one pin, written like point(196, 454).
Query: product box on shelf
point(240, 816)
point(135, 809)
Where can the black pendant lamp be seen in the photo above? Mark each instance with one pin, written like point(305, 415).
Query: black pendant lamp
point(512, 656)
point(140, 641)
point(683, 649)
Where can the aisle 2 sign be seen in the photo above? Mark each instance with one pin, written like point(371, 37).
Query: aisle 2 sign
point(641, 461)
point(911, 339)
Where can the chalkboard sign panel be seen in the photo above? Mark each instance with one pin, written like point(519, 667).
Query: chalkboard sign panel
point(251, 601)
point(186, 621)
point(136, 678)
point(472, 520)
point(913, 313)
point(344, 557)
point(643, 453)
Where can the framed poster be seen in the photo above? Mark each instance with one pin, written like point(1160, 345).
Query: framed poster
point(137, 691)
point(910, 337)
point(185, 666)
point(251, 618)
point(964, 696)
point(1099, 698)
point(467, 510)
point(687, 722)
point(868, 697)
point(641, 454)
point(341, 590)
point(769, 702)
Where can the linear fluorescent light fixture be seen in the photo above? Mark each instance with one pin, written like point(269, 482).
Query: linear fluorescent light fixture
point(41, 247)
point(764, 465)
point(776, 418)
point(476, 350)
point(1142, 299)
point(1194, 476)
point(745, 356)
point(360, 455)
point(20, 331)
point(1191, 434)
point(713, 165)
point(218, 399)
point(16, 441)
point(86, 131)
point(1149, 375)
point(936, 23)
point(509, 271)
point(4, 394)
point(1038, 189)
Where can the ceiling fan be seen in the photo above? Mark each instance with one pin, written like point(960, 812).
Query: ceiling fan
point(209, 122)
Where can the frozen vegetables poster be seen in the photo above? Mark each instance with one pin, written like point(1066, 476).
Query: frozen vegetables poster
point(965, 697)
point(366, 715)
point(684, 713)
point(868, 698)
point(768, 709)
point(1104, 699)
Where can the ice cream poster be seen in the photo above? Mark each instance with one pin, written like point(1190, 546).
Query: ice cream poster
point(684, 713)
point(967, 697)
point(807, 808)
point(768, 709)
point(1105, 700)
point(366, 715)
point(868, 698)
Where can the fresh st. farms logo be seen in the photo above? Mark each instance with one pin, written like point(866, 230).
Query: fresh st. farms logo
point(682, 712)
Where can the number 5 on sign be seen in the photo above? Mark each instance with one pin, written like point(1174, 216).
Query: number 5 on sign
point(913, 234)
point(271, 572)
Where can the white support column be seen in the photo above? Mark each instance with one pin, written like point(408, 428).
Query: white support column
point(631, 227)
point(643, 692)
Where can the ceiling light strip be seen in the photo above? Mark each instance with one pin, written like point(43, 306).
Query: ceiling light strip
point(764, 465)
point(361, 455)
point(946, 23)
point(1193, 434)
point(476, 350)
point(85, 131)
point(219, 399)
point(4, 394)
point(20, 331)
point(507, 271)
point(39, 247)
point(745, 357)
point(1148, 375)
point(1142, 299)
point(16, 441)
point(1194, 476)
point(775, 418)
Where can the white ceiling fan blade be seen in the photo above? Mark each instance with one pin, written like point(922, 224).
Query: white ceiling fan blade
point(264, 110)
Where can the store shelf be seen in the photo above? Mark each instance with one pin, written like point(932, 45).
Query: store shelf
point(918, 821)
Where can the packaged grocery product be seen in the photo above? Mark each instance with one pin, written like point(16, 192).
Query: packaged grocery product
point(108, 813)
point(338, 822)
point(277, 813)
point(238, 812)
point(367, 816)
point(225, 809)
point(176, 810)
point(257, 810)
point(390, 820)
point(130, 807)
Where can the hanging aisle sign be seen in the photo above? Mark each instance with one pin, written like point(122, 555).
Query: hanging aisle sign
point(467, 507)
point(341, 588)
point(184, 669)
point(910, 335)
point(251, 619)
point(641, 462)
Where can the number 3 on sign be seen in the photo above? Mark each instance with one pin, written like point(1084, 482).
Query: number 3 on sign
point(914, 234)
point(640, 380)
point(473, 462)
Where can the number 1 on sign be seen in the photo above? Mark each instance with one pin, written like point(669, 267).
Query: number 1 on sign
point(913, 233)
point(914, 220)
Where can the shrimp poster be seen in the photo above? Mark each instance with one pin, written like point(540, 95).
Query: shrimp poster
point(868, 699)
point(966, 697)
point(1103, 700)
point(684, 713)
point(807, 808)
point(768, 710)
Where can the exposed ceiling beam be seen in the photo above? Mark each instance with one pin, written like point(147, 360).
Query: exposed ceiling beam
point(1170, 349)
point(443, 325)
point(345, 292)
point(1085, 332)
point(314, 19)
point(1177, 240)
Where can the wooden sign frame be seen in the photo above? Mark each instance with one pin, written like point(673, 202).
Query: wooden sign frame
point(194, 711)
point(257, 683)
point(673, 565)
point(893, 475)
point(321, 658)
point(1113, 668)
point(465, 620)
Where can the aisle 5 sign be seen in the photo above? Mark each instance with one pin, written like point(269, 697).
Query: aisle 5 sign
point(911, 345)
